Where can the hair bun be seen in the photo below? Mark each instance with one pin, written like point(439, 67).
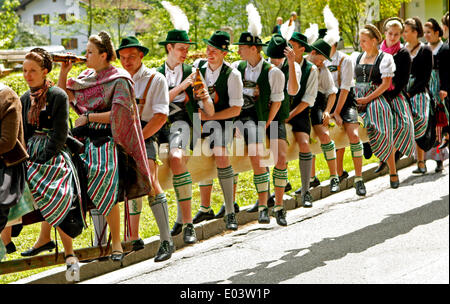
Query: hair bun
point(375, 31)
point(107, 42)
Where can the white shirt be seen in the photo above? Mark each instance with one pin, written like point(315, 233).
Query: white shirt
point(312, 85)
point(234, 82)
point(346, 72)
point(326, 82)
point(276, 78)
point(157, 99)
point(387, 64)
point(298, 72)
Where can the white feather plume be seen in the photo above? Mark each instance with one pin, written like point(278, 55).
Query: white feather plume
point(312, 33)
point(177, 16)
point(287, 29)
point(332, 25)
point(254, 20)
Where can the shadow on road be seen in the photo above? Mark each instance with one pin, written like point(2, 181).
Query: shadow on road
point(336, 248)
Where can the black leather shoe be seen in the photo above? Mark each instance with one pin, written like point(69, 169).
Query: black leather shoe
point(263, 217)
point(10, 248)
point(380, 167)
point(288, 187)
point(394, 184)
point(343, 176)
point(221, 212)
point(280, 216)
point(203, 216)
point(230, 221)
point(33, 251)
point(334, 185)
point(360, 188)
point(189, 236)
point(176, 229)
point(165, 251)
point(315, 183)
point(137, 244)
point(117, 256)
point(420, 170)
point(254, 208)
point(439, 166)
point(307, 200)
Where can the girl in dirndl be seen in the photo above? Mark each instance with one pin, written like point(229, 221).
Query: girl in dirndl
point(417, 89)
point(374, 70)
point(51, 174)
point(103, 96)
point(433, 33)
point(403, 124)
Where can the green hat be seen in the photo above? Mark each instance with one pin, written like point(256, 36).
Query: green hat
point(220, 40)
point(177, 36)
point(275, 48)
point(129, 42)
point(322, 47)
point(300, 38)
point(247, 39)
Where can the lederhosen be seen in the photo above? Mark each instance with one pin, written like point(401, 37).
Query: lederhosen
point(255, 108)
point(179, 112)
point(349, 112)
point(302, 122)
point(219, 94)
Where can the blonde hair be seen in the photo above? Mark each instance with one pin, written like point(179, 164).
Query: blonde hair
point(103, 43)
point(394, 23)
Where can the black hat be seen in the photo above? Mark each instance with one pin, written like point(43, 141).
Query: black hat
point(247, 39)
point(322, 32)
point(220, 40)
point(129, 42)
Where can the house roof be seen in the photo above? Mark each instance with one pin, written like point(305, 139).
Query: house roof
point(128, 4)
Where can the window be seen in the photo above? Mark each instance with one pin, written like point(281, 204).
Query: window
point(41, 19)
point(70, 43)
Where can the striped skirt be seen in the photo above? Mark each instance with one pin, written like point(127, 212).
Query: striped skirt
point(420, 105)
point(54, 184)
point(379, 123)
point(403, 126)
point(102, 166)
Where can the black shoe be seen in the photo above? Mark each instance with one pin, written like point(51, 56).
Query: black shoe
point(137, 244)
point(271, 200)
point(288, 187)
point(263, 217)
point(394, 184)
point(165, 251)
point(439, 166)
point(10, 248)
point(343, 176)
point(380, 167)
point(307, 200)
point(315, 183)
point(203, 216)
point(116, 256)
point(280, 216)
point(444, 144)
point(189, 236)
point(367, 151)
point(254, 208)
point(230, 221)
point(221, 212)
point(176, 229)
point(420, 170)
point(334, 185)
point(360, 188)
point(33, 251)
point(16, 229)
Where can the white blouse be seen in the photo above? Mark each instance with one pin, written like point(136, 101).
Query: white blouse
point(387, 64)
point(276, 78)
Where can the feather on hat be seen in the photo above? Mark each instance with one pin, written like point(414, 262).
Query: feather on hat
point(312, 33)
point(254, 20)
point(287, 29)
point(177, 16)
point(332, 24)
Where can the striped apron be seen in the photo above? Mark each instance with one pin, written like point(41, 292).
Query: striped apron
point(54, 184)
point(102, 166)
point(403, 124)
point(420, 104)
point(378, 121)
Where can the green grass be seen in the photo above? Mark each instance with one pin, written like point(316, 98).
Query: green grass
point(246, 195)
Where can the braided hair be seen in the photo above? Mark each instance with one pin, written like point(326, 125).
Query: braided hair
point(104, 45)
point(42, 57)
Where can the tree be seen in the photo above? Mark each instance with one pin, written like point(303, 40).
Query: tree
point(9, 22)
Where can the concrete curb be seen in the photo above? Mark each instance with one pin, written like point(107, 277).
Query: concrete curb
point(204, 230)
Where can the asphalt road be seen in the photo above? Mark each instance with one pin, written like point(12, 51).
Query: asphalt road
point(390, 236)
